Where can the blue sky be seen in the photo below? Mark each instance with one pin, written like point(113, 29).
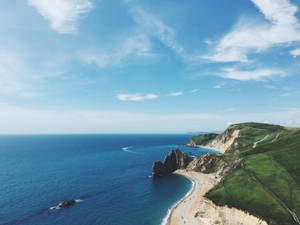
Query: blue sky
point(147, 66)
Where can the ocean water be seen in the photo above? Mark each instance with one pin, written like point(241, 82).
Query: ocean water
point(108, 173)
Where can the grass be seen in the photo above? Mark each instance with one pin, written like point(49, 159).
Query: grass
point(252, 198)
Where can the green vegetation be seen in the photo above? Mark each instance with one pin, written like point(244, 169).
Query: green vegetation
point(250, 133)
point(266, 183)
point(203, 139)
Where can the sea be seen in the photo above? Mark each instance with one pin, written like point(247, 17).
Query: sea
point(107, 175)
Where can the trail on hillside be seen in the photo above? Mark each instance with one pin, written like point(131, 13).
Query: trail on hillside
point(276, 137)
point(255, 143)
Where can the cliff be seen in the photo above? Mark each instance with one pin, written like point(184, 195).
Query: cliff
point(173, 161)
point(221, 142)
point(236, 137)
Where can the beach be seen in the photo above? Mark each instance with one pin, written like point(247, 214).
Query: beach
point(194, 208)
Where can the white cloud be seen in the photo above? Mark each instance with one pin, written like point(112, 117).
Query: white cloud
point(243, 75)
point(154, 26)
point(253, 37)
point(174, 94)
point(295, 52)
point(136, 46)
point(62, 14)
point(136, 97)
point(277, 11)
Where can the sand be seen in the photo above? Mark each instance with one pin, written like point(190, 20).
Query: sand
point(196, 209)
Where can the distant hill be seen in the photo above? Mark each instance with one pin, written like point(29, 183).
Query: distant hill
point(262, 167)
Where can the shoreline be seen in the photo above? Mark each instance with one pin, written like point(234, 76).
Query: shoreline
point(167, 219)
point(194, 208)
point(203, 146)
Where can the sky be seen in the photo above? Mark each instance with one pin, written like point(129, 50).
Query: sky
point(147, 66)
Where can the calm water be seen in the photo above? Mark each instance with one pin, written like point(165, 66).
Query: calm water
point(109, 173)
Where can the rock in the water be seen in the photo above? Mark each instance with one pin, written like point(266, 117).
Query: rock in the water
point(173, 161)
point(67, 203)
point(64, 204)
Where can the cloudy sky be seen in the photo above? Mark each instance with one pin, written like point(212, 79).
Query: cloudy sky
point(147, 66)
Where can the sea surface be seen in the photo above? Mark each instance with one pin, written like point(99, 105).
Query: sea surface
point(108, 174)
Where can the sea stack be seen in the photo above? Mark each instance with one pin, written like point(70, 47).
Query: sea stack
point(176, 159)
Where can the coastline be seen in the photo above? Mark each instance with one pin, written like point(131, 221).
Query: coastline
point(194, 208)
point(204, 146)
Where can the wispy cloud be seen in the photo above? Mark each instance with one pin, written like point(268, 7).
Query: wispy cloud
point(154, 26)
point(62, 14)
point(132, 47)
point(295, 52)
point(250, 36)
point(136, 97)
point(174, 94)
point(244, 75)
point(13, 73)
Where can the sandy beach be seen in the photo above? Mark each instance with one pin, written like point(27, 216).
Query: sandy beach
point(195, 209)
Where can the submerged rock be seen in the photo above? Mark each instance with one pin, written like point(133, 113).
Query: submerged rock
point(176, 159)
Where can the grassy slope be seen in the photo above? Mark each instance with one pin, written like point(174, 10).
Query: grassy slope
point(203, 139)
point(267, 182)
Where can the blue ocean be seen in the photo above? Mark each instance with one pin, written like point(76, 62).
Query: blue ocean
point(107, 174)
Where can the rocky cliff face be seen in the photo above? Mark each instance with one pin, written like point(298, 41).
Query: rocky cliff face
point(205, 163)
point(173, 161)
point(212, 163)
point(221, 142)
point(225, 140)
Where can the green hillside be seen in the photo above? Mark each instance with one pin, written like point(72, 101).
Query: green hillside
point(266, 181)
point(203, 139)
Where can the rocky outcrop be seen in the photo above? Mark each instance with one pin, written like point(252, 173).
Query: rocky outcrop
point(205, 164)
point(64, 204)
point(213, 163)
point(173, 161)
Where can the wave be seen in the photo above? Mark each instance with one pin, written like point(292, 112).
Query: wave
point(127, 149)
point(170, 210)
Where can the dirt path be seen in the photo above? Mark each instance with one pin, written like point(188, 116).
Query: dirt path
point(255, 143)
